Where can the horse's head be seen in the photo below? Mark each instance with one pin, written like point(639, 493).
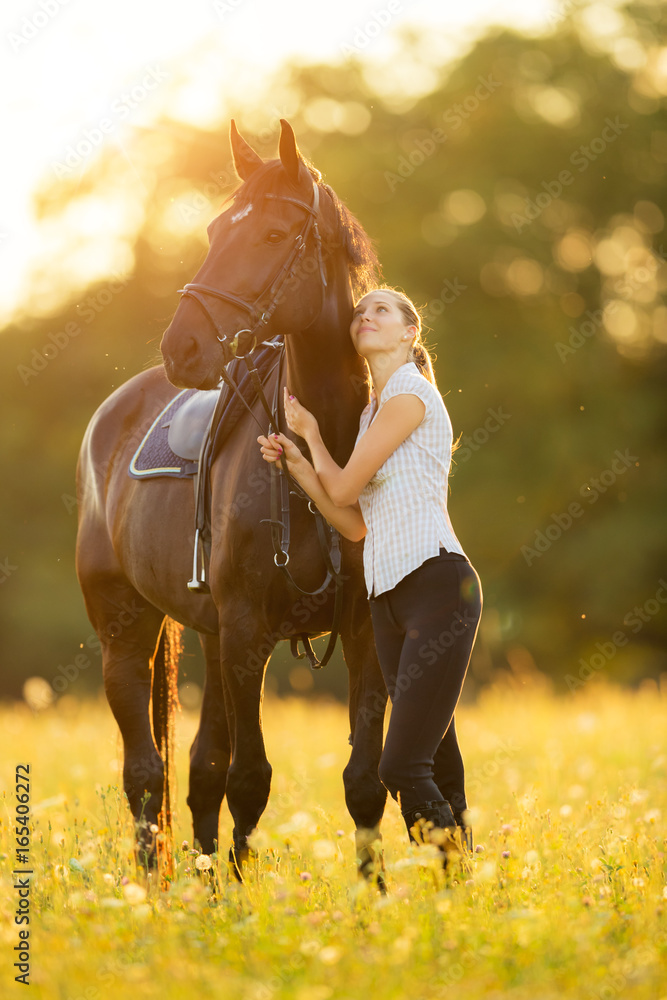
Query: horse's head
point(266, 269)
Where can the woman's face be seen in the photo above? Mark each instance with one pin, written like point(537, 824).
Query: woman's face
point(378, 325)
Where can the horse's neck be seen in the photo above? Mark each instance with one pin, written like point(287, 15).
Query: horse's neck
point(327, 376)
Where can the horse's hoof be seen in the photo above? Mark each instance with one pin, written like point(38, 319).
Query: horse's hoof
point(381, 883)
point(234, 865)
point(240, 859)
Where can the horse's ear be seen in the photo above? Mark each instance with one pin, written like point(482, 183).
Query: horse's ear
point(246, 160)
point(289, 153)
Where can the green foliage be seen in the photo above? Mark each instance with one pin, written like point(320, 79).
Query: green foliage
point(460, 190)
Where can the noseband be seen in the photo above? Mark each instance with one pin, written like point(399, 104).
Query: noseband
point(260, 316)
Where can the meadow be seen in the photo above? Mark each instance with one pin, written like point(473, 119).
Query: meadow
point(566, 896)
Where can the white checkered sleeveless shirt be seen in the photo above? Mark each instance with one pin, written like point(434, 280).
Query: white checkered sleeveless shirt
point(404, 506)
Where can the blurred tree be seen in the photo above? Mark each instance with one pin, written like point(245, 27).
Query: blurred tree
point(521, 202)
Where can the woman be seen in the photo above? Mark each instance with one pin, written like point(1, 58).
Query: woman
point(425, 596)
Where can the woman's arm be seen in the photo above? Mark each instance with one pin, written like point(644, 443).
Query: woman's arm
point(347, 520)
point(397, 419)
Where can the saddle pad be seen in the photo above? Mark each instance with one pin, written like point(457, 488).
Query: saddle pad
point(154, 457)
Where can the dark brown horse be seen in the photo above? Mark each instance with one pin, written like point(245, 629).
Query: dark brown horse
point(285, 258)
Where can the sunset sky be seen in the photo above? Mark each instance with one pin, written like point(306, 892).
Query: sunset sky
point(77, 74)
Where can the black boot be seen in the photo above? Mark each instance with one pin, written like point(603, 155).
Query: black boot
point(433, 822)
point(464, 831)
point(466, 837)
point(437, 814)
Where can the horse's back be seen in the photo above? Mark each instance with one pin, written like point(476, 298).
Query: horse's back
point(125, 411)
point(117, 514)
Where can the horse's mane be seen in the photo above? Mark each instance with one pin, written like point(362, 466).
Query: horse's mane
point(365, 271)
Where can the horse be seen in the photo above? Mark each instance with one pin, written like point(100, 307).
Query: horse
point(287, 257)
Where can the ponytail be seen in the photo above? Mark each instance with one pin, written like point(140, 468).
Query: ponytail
point(419, 354)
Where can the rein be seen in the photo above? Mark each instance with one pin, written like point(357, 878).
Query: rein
point(282, 483)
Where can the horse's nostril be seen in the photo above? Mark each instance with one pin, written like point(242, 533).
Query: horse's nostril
point(190, 349)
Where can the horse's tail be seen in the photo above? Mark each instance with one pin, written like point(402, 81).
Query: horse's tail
point(165, 703)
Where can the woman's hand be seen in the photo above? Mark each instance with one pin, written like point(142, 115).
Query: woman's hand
point(276, 447)
point(299, 419)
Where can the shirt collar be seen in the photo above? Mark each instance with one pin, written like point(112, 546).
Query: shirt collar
point(408, 364)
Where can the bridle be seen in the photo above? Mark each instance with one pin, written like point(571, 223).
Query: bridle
point(259, 315)
point(328, 537)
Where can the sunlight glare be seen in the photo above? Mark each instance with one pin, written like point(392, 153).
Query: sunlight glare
point(84, 79)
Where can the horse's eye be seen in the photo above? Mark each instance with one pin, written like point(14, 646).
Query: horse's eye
point(275, 237)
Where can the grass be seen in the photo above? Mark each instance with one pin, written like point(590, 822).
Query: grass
point(567, 895)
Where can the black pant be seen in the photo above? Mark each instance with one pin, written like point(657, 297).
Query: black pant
point(425, 629)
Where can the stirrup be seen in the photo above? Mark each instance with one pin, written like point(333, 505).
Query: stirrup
point(198, 584)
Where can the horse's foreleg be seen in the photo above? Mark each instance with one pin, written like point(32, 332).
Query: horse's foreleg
point(210, 753)
point(365, 795)
point(249, 775)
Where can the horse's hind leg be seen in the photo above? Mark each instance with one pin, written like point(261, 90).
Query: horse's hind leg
point(128, 628)
point(210, 753)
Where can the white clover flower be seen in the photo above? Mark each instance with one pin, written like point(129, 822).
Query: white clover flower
point(323, 849)
point(134, 893)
